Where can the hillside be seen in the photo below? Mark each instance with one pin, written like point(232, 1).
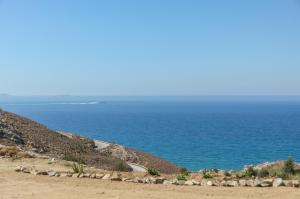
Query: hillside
point(32, 136)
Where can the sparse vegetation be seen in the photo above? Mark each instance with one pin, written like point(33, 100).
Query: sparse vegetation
point(121, 167)
point(248, 172)
point(184, 171)
point(289, 167)
point(181, 177)
point(206, 173)
point(263, 173)
point(153, 172)
point(78, 168)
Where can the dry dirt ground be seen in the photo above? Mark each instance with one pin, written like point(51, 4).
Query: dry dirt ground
point(18, 185)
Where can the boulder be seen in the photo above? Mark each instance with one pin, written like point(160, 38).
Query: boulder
point(18, 169)
point(195, 182)
point(203, 182)
point(106, 176)
point(278, 182)
point(116, 177)
point(232, 183)
point(51, 173)
point(99, 175)
point(167, 182)
point(266, 183)
point(189, 183)
point(93, 175)
point(209, 183)
point(86, 175)
point(243, 183)
point(287, 183)
point(250, 183)
point(75, 175)
point(40, 172)
point(180, 182)
point(295, 183)
point(159, 180)
point(257, 182)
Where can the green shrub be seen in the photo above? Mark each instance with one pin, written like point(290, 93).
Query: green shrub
point(152, 171)
point(69, 157)
point(77, 168)
point(206, 173)
point(263, 173)
point(227, 174)
point(184, 171)
point(288, 167)
point(248, 172)
point(181, 177)
point(121, 167)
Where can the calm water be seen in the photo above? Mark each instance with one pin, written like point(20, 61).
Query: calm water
point(195, 135)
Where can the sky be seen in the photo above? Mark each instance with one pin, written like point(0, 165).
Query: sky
point(150, 47)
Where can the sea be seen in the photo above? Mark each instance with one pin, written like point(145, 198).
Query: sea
point(192, 133)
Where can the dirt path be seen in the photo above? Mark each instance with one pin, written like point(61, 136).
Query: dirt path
point(18, 185)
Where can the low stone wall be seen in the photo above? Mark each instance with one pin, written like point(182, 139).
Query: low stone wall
point(114, 176)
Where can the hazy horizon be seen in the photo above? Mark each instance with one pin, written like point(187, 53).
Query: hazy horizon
point(150, 48)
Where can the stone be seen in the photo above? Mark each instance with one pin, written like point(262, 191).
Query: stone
point(295, 183)
point(93, 175)
point(159, 180)
point(18, 169)
point(80, 175)
point(40, 172)
point(243, 183)
point(167, 182)
point(106, 177)
point(125, 179)
point(26, 170)
point(257, 182)
point(209, 183)
point(75, 175)
point(223, 183)
point(287, 183)
point(51, 173)
point(278, 182)
point(203, 183)
point(267, 183)
point(86, 175)
point(138, 180)
point(250, 183)
point(232, 183)
point(189, 183)
point(116, 177)
point(195, 182)
point(64, 175)
point(99, 175)
point(180, 182)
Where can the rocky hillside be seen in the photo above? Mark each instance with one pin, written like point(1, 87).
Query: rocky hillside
point(32, 136)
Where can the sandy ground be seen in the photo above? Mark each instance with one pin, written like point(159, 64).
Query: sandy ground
point(18, 185)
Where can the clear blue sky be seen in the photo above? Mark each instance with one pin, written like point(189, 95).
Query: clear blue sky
point(153, 47)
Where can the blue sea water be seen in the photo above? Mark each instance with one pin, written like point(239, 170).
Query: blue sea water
point(192, 134)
